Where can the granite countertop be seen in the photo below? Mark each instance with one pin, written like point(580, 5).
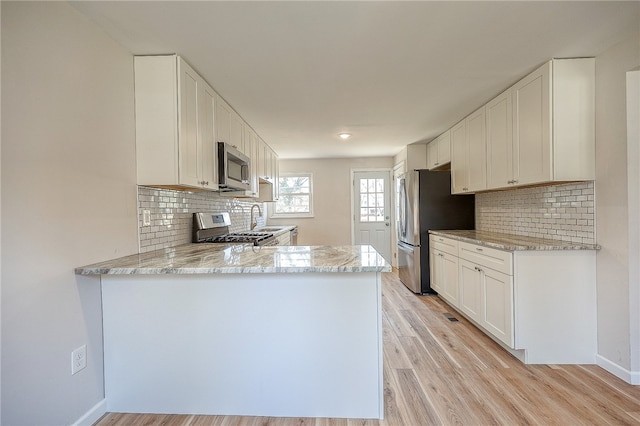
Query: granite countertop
point(242, 259)
point(511, 242)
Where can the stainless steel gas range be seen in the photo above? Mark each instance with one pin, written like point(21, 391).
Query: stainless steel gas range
point(214, 228)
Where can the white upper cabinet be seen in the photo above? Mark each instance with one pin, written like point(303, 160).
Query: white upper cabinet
point(252, 146)
point(554, 123)
point(499, 141)
point(174, 125)
point(468, 162)
point(439, 151)
point(476, 137)
point(230, 128)
point(532, 128)
point(179, 120)
point(459, 158)
point(541, 130)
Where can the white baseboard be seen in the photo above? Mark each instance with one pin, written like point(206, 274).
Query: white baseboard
point(93, 415)
point(631, 377)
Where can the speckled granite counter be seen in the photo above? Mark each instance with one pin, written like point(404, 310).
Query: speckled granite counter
point(511, 242)
point(242, 259)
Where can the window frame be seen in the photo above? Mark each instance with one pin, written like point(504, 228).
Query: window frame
point(277, 215)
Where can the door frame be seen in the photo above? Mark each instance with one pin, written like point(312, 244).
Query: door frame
point(392, 218)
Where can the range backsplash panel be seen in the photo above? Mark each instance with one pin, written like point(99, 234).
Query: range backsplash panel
point(172, 215)
point(560, 212)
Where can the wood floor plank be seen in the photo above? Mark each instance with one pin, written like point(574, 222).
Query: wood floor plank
point(394, 355)
point(419, 407)
point(450, 373)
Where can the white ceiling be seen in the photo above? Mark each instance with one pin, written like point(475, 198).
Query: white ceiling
point(391, 73)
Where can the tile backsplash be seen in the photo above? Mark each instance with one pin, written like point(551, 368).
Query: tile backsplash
point(561, 212)
point(172, 215)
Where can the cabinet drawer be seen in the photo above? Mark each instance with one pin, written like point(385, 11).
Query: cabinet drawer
point(498, 260)
point(446, 245)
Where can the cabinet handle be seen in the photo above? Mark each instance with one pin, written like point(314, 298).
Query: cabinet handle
point(478, 249)
point(477, 269)
point(465, 189)
point(435, 164)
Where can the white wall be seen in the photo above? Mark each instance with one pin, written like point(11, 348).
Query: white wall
point(633, 168)
point(612, 209)
point(68, 199)
point(331, 224)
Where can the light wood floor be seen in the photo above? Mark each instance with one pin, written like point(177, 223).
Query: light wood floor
point(442, 372)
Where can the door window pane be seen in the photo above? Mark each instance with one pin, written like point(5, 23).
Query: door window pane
point(372, 200)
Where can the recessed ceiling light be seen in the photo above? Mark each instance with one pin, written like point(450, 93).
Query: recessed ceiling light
point(344, 135)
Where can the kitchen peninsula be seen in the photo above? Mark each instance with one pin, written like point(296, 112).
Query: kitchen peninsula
point(286, 331)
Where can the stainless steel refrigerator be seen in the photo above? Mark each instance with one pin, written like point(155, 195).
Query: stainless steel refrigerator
point(425, 202)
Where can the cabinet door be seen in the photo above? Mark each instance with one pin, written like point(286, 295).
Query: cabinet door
point(477, 160)
point(206, 136)
point(499, 142)
point(189, 148)
point(444, 148)
point(498, 304)
point(436, 270)
point(236, 135)
point(432, 154)
point(276, 175)
point(449, 267)
point(470, 290)
point(459, 158)
point(223, 121)
point(532, 127)
point(268, 164)
point(260, 162)
point(251, 143)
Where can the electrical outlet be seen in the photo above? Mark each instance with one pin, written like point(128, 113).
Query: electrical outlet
point(78, 359)
point(146, 217)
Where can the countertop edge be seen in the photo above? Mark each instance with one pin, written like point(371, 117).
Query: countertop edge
point(229, 270)
point(214, 259)
point(525, 243)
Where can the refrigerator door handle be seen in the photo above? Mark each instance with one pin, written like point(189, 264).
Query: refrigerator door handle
point(403, 209)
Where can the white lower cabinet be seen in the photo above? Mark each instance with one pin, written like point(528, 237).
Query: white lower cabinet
point(444, 270)
point(445, 275)
point(487, 298)
point(540, 304)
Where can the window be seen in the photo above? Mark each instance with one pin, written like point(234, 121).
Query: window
point(296, 196)
point(372, 200)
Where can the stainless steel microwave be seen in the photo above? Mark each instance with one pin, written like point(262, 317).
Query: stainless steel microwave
point(233, 169)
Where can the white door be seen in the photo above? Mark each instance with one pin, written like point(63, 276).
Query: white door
point(372, 210)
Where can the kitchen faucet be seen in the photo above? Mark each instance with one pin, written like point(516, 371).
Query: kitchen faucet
point(254, 221)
